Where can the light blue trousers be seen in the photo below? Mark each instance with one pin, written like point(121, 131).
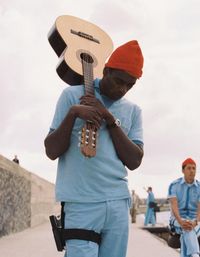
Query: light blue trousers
point(189, 240)
point(109, 218)
point(149, 217)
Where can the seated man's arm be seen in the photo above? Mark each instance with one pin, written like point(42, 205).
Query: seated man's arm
point(174, 207)
point(185, 224)
point(198, 212)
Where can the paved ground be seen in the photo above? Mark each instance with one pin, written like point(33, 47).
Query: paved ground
point(39, 242)
point(34, 242)
point(144, 244)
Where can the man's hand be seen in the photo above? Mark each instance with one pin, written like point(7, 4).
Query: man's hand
point(128, 152)
point(88, 113)
point(90, 100)
point(187, 225)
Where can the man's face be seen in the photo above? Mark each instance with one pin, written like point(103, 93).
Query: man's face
point(189, 172)
point(116, 83)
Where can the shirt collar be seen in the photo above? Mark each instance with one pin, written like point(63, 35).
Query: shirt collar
point(194, 183)
point(96, 84)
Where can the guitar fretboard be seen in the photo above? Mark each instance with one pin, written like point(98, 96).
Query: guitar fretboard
point(88, 76)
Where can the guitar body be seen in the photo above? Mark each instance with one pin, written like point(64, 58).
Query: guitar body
point(70, 37)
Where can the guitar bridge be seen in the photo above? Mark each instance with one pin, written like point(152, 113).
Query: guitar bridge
point(84, 35)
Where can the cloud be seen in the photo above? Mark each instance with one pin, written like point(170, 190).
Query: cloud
point(120, 22)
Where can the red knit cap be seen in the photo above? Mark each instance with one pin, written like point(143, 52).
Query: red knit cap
point(127, 57)
point(188, 161)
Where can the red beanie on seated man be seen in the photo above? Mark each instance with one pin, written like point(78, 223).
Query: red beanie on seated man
point(127, 57)
point(188, 161)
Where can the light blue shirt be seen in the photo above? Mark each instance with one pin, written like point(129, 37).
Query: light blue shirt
point(150, 198)
point(188, 197)
point(103, 177)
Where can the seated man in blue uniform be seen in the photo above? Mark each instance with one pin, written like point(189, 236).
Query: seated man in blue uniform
point(150, 213)
point(184, 198)
point(95, 190)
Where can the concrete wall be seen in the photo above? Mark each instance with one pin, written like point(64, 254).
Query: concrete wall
point(26, 200)
point(42, 200)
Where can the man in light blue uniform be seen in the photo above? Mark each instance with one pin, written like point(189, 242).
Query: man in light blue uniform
point(95, 189)
point(150, 214)
point(184, 197)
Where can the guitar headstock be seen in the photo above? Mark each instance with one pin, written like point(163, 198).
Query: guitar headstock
point(88, 140)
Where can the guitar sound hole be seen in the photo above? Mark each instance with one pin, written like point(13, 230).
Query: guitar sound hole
point(86, 57)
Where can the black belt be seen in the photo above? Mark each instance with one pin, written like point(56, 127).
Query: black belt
point(82, 234)
point(61, 234)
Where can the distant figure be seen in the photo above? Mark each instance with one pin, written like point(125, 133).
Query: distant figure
point(16, 159)
point(150, 215)
point(184, 198)
point(134, 206)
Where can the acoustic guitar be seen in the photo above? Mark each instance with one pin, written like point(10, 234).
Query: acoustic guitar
point(82, 48)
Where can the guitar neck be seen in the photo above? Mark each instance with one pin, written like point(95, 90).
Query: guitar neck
point(88, 77)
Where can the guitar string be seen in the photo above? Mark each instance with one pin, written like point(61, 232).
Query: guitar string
point(88, 76)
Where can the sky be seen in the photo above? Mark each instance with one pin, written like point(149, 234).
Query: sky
point(168, 93)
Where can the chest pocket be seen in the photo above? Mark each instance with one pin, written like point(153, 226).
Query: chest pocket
point(194, 196)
